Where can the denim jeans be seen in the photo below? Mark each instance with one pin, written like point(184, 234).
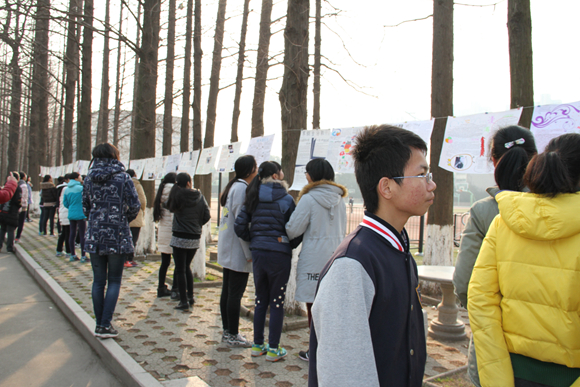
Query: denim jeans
point(106, 268)
point(47, 214)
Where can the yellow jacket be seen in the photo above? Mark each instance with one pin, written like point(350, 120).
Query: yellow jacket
point(524, 293)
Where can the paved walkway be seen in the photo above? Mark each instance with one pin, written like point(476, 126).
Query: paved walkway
point(173, 345)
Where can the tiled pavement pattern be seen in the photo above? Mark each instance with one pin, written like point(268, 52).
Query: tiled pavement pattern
point(171, 344)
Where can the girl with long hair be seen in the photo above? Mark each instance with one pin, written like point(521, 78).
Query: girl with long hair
point(162, 215)
point(268, 207)
point(523, 298)
point(233, 253)
point(190, 213)
point(512, 148)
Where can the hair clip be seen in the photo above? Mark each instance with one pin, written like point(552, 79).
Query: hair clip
point(519, 141)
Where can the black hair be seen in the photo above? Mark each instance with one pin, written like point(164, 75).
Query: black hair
point(557, 170)
point(266, 170)
point(131, 172)
point(105, 151)
point(174, 201)
point(67, 176)
point(169, 178)
point(512, 147)
point(278, 166)
point(22, 175)
point(60, 180)
point(320, 169)
point(73, 175)
point(382, 151)
point(46, 178)
point(244, 167)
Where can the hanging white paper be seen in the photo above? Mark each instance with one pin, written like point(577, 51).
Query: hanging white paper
point(125, 163)
point(207, 160)
point(340, 145)
point(82, 167)
point(228, 156)
point(550, 121)
point(313, 144)
point(138, 166)
point(260, 148)
point(422, 129)
point(188, 162)
point(150, 169)
point(466, 142)
point(172, 163)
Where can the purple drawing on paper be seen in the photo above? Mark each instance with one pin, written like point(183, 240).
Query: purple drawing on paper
point(559, 113)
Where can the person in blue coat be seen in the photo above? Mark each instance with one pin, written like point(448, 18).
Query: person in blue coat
point(267, 208)
point(73, 201)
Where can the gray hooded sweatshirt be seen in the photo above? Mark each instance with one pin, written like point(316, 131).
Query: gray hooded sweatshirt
point(321, 216)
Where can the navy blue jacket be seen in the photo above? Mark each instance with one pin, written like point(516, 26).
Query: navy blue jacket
point(268, 221)
point(110, 202)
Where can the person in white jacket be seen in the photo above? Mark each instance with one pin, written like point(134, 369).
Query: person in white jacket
point(233, 253)
point(162, 215)
point(63, 236)
point(320, 217)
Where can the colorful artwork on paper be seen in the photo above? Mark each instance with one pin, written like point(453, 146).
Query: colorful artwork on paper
point(550, 121)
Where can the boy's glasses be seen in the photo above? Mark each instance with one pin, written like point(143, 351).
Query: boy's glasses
point(428, 177)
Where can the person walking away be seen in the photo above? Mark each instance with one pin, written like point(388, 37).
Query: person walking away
point(320, 217)
point(29, 186)
point(49, 196)
point(165, 218)
point(139, 221)
point(367, 321)
point(110, 202)
point(190, 213)
point(523, 299)
point(9, 212)
point(73, 201)
point(268, 207)
point(9, 188)
point(24, 201)
point(511, 150)
point(64, 235)
point(234, 254)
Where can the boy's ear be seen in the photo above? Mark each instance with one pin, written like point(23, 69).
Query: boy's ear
point(384, 188)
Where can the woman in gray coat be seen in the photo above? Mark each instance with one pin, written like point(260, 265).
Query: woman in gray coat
point(321, 217)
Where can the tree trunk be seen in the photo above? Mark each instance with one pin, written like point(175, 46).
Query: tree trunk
point(261, 70)
point(439, 246)
point(197, 55)
point(103, 120)
point(293, 94)
point(168, 102)
point(135, 87)
point(118, 89)
point(15, 110)
point(39, 96)
point(240, 75)
point(84, 117)
point(317, 54)
point(184, 143)
point(521, 58)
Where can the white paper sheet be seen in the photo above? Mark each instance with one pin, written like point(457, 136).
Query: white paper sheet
point(340, 145)
point(550, 121)
point(150, 169)
point(313, 144)
point(138, 166)
point(172, 163)
point(466, 142)
point(188, 162)
point(423, 129)
point(260, 148)
point(228, 156)
point(207, 160)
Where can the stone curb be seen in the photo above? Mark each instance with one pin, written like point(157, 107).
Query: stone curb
point(121, 364)
point(427, 382)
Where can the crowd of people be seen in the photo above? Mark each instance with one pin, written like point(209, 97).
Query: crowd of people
point(517, 270)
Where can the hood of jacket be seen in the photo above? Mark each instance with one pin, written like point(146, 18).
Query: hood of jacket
point(272, 190)
point(540, 218)
point(104, 169)
point(190, 197)
point(46, 185)
point(63, 185)
point(73, 183)
point(492, 191)
point(326, 193)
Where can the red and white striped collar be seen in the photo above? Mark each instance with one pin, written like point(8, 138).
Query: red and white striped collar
point(383, 231)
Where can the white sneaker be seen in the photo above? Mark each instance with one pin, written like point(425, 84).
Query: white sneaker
point(239, 341)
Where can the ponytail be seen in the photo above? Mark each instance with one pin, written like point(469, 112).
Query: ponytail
point(244, 167)
point(174, 201)
point(266, 170)
point(169, 178)
point(557, 170)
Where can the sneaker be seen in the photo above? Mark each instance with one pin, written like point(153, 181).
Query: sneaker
point(304, 355)
point(259, 349)
point(239, 341)
point(39, 233)
point(85, 259)
point(59, 253)
point(73, 258)
point(226, 336)
point(275, 355)
point(106, 332)
point(127, 264)
point(133, 263)
point(16, 240)
point(163, 292)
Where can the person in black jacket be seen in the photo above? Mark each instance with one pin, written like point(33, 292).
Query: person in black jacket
point(49, 195)
point(9, 219)
point(190, 213)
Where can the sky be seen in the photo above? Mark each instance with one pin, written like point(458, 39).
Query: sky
point(390, 65)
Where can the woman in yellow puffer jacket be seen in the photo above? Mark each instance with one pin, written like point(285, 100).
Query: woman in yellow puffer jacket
point(524, 301)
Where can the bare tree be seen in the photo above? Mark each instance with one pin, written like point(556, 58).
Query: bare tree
point(197, 54)
point(84, 116)
point(261, 70)
point(184, 143)
point(439, 246)
point(521, 58)
point(168, 102)
point(118, 88)
point(103, 120)
point(293, 94)
point(39, 96)
point(240, 74)
point(317, 55)
point(72, 76)
point(135, 82)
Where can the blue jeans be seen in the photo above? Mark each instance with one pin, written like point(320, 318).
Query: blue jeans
point(106, 268)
